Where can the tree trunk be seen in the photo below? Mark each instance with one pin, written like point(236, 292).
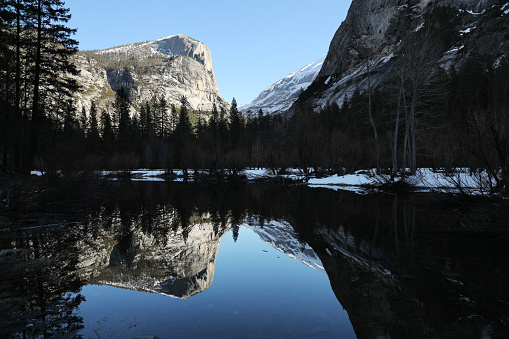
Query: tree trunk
point(413, 147)
point(405, 142)
point(372, 121)
point(34, 126)
point(17, 120)
point(396, 132)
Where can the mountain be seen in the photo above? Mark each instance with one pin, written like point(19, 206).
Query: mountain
point(281, 95)
point(171, 67)
point(375, 33)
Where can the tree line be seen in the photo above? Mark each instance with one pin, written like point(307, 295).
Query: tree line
point(422, 115)
point(462, 124)
point(162, 136)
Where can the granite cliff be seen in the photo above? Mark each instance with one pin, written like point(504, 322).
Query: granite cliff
point(374, 34)
point(169, 67)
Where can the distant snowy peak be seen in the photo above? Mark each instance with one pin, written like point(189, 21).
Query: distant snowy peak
point(280, 96)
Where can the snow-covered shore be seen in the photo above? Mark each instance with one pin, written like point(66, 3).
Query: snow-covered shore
point(461, 180)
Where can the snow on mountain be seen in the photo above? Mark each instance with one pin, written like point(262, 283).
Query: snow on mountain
point(168, 46)
point(285, 239)
point(481, 28)
point(281, 95)
point(169, 67)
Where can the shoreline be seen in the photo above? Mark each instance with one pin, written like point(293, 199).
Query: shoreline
point(461, 181)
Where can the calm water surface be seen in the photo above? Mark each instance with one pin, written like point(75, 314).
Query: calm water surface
point(194, 261)
point(256, 291)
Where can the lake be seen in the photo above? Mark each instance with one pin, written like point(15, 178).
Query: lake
point(190, 260)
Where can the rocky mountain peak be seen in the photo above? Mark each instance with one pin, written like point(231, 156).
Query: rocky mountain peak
point(375, 27)
point(168, 46)
point(169, 67)
point(374, 32)
point(185, 46)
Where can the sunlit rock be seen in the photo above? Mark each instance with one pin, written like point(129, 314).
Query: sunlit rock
point(169, 67)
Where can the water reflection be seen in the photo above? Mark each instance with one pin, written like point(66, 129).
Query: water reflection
point(393, 262)
point(179, 264)
point(40, 285)
point(402, 268)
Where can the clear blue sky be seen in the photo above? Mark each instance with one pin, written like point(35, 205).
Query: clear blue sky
point(253, 43)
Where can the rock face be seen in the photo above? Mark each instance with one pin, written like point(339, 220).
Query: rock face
point(281, 95)
point(93, 79)
point(374, 30)
point(184, 46)
point(170, 67)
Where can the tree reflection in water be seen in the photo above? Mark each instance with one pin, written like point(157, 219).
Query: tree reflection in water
point(402, 266)
point(40, 285)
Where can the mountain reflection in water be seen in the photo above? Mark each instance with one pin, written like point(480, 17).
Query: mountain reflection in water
point(393, 263)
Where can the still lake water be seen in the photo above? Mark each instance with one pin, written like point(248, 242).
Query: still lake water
point(177, 260)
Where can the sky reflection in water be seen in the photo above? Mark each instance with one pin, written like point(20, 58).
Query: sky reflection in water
point(257, 291)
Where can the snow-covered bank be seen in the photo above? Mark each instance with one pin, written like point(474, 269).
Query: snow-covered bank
point(356, 179)
point(461, 180)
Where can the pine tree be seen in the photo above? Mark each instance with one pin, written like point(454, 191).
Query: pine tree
point(174, 117)
point(51, 64)
point(236, 124)
point(184, 128)
point(93, 137)
point(214, 121)
point(183, 136)
point(108, 135)
point(121, 108)
point(161, 114)
point(83, 120)
point(6, 55)
point(143, 121)
point(222, 129)
point(12, 15)
point(260, 114)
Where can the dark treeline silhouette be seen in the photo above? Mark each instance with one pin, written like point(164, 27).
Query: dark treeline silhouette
point(36, 76)
point(464, 125)
point(419, 116)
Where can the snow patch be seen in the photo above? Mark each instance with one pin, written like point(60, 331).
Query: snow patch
point(387, 58)
point(345, 180)
point(455, 49)
point(469, 11)
point(466, 31)
point(476, 183)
